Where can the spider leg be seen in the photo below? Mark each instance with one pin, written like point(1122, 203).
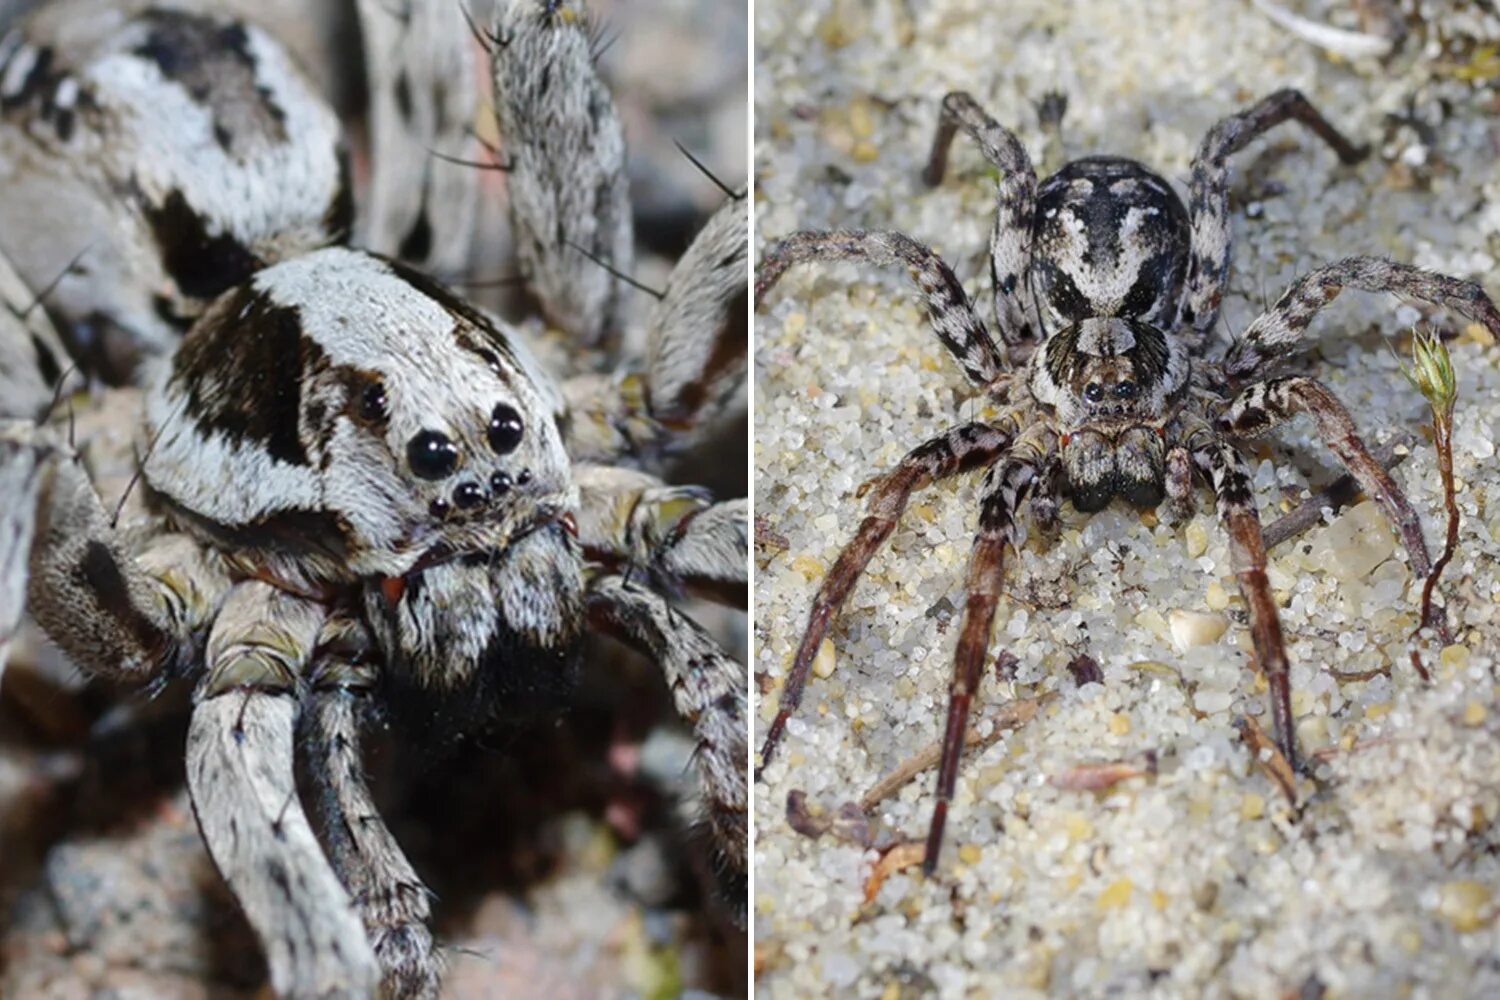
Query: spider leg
point(1179, 483)
point(1247, 552)
point(676, 534)
point(698, 329)
point(1263, 405)
point(695, 356)
point(708, 688)
point(1015, 205)
point(242, 782)
point(389, 895)
point(961, 448)
point(1004, 487)
point(420, 63)
point(1208, 198)
point(568, 190)
point(1278, 331)
point(118, 608)
point(954, 321)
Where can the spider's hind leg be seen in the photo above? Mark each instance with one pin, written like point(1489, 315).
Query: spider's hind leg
point(1015, 202)
point(954, 321)
point(1208, 204)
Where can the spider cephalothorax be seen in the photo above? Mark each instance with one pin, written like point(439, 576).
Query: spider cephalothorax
point(1105, 291)
point(354, 499)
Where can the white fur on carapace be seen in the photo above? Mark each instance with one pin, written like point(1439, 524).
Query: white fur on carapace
point(256, 432)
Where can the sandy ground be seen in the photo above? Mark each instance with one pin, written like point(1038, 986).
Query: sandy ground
point(1198, 880)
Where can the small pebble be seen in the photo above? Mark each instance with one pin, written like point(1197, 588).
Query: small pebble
point(825, 661)
point(1465, 904)
point(1194, 628)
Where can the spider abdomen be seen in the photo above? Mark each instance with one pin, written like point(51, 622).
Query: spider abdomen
point(1109, 239)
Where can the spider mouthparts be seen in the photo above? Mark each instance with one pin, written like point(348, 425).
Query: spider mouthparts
point(393, 587)
point(569, 523)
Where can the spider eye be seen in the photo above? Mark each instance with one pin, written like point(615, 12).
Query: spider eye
point(505, 429)
point(1126, 390)
point(1093, 392)
point(372, 404)
point(432, 455)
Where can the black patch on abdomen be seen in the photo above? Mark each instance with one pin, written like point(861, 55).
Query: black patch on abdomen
point(201, 264)
point(241, 367)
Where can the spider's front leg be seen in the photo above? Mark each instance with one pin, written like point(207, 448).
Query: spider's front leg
point(1015, 206)
point(966, 447)
point(708, 689)
point(1005, 485)
point(1208, 204)
point(1263, 405)
point(954, 321)
point(390, 897)
point(121, 607)
point(1235, 497)
point(243, 786)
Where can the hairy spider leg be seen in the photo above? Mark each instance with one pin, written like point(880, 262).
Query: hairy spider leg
point(1005, 485)
point(708, 689)
point(393, 903)
point(1015, 206)
point(1263, 405)
point(1208, 199)
point(1278, 331)
point(1235, 498)
point(961, 448)
point(953, 318)
point(242, 782)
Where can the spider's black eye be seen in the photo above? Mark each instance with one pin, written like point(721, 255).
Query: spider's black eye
point(372, 404)
point(432, 455)
point(1093, 392)
point(505, 429)
point(1126, 390)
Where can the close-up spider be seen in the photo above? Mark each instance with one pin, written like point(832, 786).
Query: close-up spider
point(258, 456)
point(1115, 820)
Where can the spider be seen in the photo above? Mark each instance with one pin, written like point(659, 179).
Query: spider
point(1106, 289)
point(360, 498)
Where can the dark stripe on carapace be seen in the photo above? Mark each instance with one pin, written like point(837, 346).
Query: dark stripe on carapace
point(241, 367)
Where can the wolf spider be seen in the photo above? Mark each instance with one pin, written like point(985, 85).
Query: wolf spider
point(1106, 288)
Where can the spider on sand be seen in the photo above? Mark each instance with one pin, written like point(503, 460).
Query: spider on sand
point(1106, 289)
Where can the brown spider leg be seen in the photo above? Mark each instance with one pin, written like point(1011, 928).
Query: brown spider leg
point(1278, 330)
point(1247, 552)
point(1208, 198)
point(1262, 406)
point(953, 317)
point(1046, 495)
point(1015, 204)
point(1004, 486)
point(961, 448)
point(391, 900)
